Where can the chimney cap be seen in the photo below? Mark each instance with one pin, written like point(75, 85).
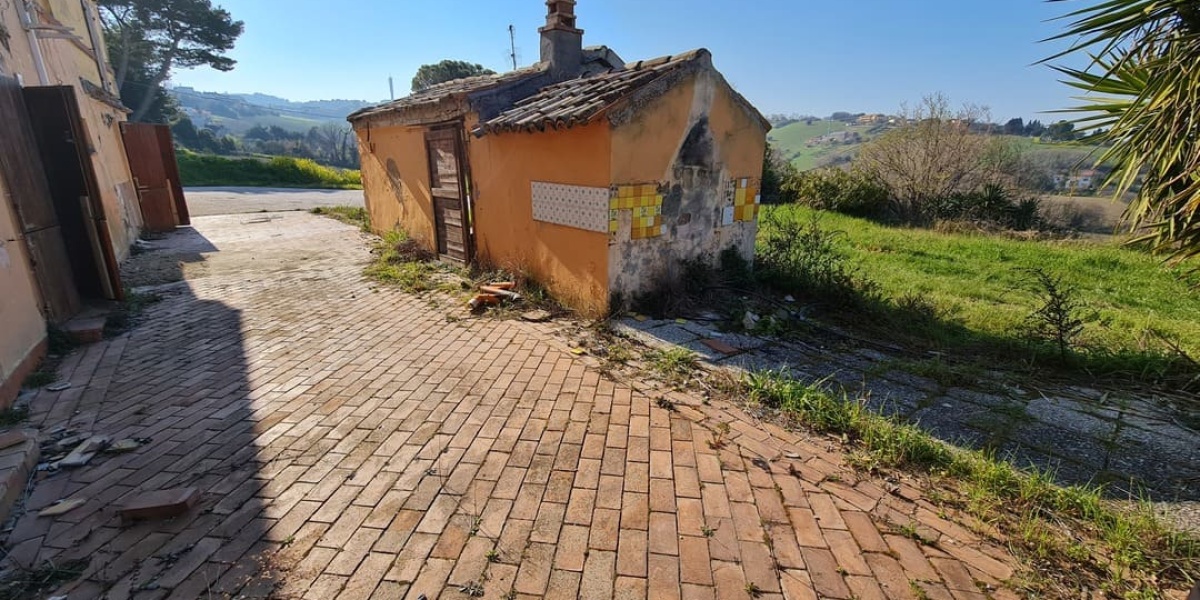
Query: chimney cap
point(560, 15)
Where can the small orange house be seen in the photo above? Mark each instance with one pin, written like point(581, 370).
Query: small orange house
point(593, 176)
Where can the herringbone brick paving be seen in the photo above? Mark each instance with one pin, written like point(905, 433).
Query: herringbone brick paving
point(353, 442)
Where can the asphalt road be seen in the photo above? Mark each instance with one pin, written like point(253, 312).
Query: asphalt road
point(203, 201)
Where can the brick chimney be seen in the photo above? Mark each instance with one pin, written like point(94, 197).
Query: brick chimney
point(562, 42)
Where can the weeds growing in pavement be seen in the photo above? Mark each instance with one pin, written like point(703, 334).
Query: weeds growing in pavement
point(674, 365)
point(351, 215)
point(1123, 548)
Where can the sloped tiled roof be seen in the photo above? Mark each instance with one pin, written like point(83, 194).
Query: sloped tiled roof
point(577, 101)
point(437, 93)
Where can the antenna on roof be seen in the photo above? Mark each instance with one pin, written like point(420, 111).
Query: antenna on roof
point(512, 44)
point(391, 87)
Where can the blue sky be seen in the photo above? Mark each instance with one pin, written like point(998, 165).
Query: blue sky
point(801, 56)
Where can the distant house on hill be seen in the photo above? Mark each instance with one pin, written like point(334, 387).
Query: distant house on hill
point(1085, 180)
point(595, 176)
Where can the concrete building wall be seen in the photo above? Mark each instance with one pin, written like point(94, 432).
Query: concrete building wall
point(68, 61)
point(572, 263)
point(697, 145)
point(24, 330)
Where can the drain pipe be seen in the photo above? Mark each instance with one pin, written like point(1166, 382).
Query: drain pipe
point(31, 33)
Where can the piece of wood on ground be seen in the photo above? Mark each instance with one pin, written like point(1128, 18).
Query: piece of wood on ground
point(83, 453)
point(125, 445)
point(720, 346)
point(12, 438)
point(62, 507)
point(159, 504)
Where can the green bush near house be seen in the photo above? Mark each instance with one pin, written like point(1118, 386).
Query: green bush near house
point(280, 171)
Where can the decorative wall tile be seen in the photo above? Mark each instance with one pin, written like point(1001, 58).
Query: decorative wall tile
point(746, 199)
point(572, 205)
point(644, 201)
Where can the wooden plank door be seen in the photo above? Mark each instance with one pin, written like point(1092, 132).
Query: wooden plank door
point(29, 191)
point(166, 144)
point(447, 185)
point(66, 152)
point(146, 163)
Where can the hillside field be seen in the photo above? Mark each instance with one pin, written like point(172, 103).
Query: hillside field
point(980, 283)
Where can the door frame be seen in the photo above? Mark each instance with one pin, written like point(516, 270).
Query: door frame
point(457, 133)
point(91, 204)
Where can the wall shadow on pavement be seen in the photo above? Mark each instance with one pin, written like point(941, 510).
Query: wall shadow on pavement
point(179, 382)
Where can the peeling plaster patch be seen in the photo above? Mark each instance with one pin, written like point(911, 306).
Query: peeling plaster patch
point(697, 150)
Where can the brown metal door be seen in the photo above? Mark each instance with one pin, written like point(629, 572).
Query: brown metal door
point(29, 193)
point(66, 152)
point(447, 185)
point(146, 163)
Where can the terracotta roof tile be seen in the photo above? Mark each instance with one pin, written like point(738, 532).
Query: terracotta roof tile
point(441, 91)
point(577, 101)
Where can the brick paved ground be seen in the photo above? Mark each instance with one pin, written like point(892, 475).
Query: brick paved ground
point(353, 442)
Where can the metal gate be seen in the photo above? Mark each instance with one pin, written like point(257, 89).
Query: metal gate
point(151, 154)
point(29, 191)
point(448, 188)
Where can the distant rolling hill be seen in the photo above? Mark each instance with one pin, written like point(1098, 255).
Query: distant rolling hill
point(237, 113)
point(813, 143)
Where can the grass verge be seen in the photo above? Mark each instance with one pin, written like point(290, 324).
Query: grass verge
point(971, 294)
point(1070, 538)
point(280, 171)
point(351, 215)
point(404, 262)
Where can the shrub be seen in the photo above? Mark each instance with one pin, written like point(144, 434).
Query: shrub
point(802, 257)
point(992, 205)
point(1059, 318)
point(280, 171)
point(852, 192)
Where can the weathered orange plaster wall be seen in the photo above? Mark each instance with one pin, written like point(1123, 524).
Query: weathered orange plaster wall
point(572, 263)
point(395, 174)
point(644, 149)
point(647, 146)
point(740, 135)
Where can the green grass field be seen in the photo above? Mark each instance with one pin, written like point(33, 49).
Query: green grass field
point(280, 171)
point(979, 283)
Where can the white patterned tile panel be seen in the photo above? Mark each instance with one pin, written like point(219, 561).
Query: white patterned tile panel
point(571, 205)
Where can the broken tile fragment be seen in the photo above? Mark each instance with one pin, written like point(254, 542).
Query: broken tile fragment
point(159, 504)
point(62, 507)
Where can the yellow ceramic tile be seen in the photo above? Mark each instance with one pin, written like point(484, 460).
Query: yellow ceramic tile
point(658, 199)
point(646, 189)
point(740, 197)
point(626, 191)
point(612, 226)
point(614, 203)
